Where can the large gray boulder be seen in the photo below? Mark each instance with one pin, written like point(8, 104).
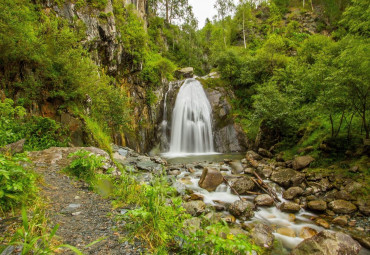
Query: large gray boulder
point(187, 72)
point(287, 177)
point(302, 162)
point(342, 206)
point(328, 243)
point(210, 179)
point(292, 192)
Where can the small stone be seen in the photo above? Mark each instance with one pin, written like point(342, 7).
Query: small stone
point(354, 169)
point(323, 223)
point(291, 217)
point(77, 197)
point(76, 213)
point(341, 221)
point(352, 223)
point(286, 232)
point(196, 196)
point(229, 218)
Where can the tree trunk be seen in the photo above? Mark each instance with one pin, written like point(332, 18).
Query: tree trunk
point(332, 126)
point(245, 43)
point(340, 124)
point(167, 11)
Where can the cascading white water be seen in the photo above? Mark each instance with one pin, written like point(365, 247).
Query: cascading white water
point(191, 130)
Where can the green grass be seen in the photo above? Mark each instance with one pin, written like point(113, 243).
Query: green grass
point(99, 136)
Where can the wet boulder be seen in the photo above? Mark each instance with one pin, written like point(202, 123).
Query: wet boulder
point(287, 177)
point(290, 207)
point(285, 231)
point(342, 206)
point(307, 232)
point(242, 185)
point(264, 200)
point(242, 209)
point(302, 162)
point(292, 193)
point(341, 220)
point(328, 243)
point(211, 178)
point(317, 205)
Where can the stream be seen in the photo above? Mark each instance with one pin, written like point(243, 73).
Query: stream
point(271, 216)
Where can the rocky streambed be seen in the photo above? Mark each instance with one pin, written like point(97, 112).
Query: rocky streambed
point(298, 211)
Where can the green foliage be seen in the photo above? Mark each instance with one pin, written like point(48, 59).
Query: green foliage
point(356, 18)
point(217, 239)
point(84, 165)
point(98, 134)
point(40, 133)
point(17, 185)
point(157, 69)
point(158, 220)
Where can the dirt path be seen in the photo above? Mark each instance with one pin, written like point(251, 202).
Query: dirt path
point(83, 216)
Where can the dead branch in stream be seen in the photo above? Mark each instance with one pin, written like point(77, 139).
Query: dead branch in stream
point(260, 183)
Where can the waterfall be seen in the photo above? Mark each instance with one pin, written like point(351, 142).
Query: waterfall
point(191, 130)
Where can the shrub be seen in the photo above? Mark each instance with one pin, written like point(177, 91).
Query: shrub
point(17, 185)
point(40, 133)
point(84, 166)
point(159, 219)
point(217, 239)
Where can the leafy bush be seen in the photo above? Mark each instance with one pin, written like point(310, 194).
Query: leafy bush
point(217, 239)
point(159, 219)
point(17, 185)
point(84, 166)
point(156, 69)
point(40, 133)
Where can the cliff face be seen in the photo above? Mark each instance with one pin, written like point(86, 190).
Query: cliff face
point(99, 25)
point(100, 38)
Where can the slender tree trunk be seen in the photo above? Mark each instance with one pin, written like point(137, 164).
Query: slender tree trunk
point(303, 3)
point(167, 11)
point(340, 124)
point(366, 127)
point(349, 128)
point(332, 125)
point(312, 5)
point(245, 43)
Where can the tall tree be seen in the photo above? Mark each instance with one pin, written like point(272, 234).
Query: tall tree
point(224, 8)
